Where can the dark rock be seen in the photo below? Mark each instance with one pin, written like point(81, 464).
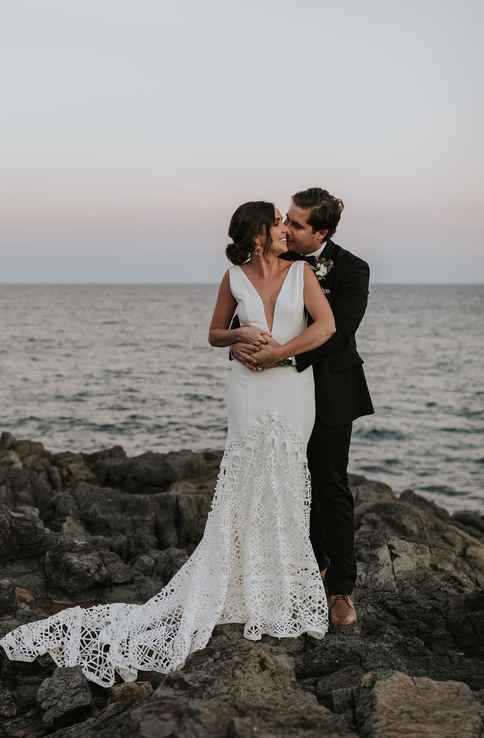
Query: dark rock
point(465, 620)
point(408, 496)
point(65, 697)
point(367, 491)
point(193, 503)
point(63, 506)
point(114, 452)
point(337, 651)
point(8, 707)
point(7, 440)
point(8, 602)
point(151, 472)
point(22, 533)
point(334, 689)
point(356, 479)
point(145, 564)
point(109, 528)
point(8, 457)
point(238, 689)
point(26, 474)
point(392, 705)
point(168, 562)
point(75, 567)
point(147, 521)
point(472, 521)
point(130, 692)
point(73, 468)
point(26, 449)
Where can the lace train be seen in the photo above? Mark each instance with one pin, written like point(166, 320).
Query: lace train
point(254, 565)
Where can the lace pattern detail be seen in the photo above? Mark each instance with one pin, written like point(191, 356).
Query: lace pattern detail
point(254, 565)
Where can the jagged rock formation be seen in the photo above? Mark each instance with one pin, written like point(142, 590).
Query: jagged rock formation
point(79, 528)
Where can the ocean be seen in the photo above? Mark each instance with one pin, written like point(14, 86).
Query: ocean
point(84, 367)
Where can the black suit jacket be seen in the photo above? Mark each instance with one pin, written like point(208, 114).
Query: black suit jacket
point(341, 390)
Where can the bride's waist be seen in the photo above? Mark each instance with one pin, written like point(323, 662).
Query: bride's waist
point(238, 366)
point(288, 371)
point(277, 384)
point(281, 336)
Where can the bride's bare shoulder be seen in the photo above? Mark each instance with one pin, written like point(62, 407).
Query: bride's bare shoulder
point(225, 281)
point(286, 265)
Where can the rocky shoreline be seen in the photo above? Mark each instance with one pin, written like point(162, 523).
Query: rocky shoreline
point(86, 528)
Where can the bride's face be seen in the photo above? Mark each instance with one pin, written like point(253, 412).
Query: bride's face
point(278, 234)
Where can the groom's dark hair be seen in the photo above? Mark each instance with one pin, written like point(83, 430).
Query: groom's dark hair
point(325, 209)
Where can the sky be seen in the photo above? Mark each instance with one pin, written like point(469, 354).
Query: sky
point(130, 132)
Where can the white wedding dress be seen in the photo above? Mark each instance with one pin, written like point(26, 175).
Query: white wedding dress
point(254, 564)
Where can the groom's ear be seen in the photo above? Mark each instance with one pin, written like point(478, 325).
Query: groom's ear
point(324, 234)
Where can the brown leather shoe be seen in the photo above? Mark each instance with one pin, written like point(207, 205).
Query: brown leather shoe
point(341, 610)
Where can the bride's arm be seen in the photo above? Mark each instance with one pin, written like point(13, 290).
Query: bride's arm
point(219, 333)
point(314, 335)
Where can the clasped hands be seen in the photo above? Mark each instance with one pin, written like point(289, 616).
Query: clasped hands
point(256, 349)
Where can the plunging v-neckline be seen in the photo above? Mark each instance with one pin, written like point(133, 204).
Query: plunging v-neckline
point(262, 301)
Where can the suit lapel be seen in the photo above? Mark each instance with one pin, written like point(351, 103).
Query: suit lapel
point(328, 254)
point(328, 281)
point(329, 250)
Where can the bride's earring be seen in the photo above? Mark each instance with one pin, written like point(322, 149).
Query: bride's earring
point(257, 250)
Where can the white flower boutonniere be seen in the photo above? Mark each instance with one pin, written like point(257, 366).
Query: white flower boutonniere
point(322, 268)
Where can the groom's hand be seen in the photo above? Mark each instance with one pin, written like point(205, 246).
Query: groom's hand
point(266, 357)
point(244, 352)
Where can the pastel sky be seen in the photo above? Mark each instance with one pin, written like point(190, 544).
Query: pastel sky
point(130, 132)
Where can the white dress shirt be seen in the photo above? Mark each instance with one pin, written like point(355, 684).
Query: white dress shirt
point(318, 253)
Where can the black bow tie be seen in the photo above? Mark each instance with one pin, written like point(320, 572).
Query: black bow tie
point(312, 260)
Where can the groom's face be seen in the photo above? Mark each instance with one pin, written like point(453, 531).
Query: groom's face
point(301, 237)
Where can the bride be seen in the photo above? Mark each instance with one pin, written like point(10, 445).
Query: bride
point(254, 564)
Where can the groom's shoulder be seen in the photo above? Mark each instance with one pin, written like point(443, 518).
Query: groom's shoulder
point(347, 257)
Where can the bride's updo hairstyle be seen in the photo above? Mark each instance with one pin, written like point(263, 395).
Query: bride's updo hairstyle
point(249, 220)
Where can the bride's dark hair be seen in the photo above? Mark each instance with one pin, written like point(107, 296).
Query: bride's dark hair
point(249, 220)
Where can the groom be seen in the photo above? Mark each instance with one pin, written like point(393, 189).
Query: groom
point(341, 390)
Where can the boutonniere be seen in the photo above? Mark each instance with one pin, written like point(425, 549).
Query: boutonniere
point(322, 267)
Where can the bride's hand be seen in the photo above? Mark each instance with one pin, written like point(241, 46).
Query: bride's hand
point(266, 357)
point(272, 341)
point(244, 353)
point(254, 336)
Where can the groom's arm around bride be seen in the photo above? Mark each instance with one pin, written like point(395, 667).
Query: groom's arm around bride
point(342, 392)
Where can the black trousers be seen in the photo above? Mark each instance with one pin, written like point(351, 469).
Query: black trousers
point(332, 519)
